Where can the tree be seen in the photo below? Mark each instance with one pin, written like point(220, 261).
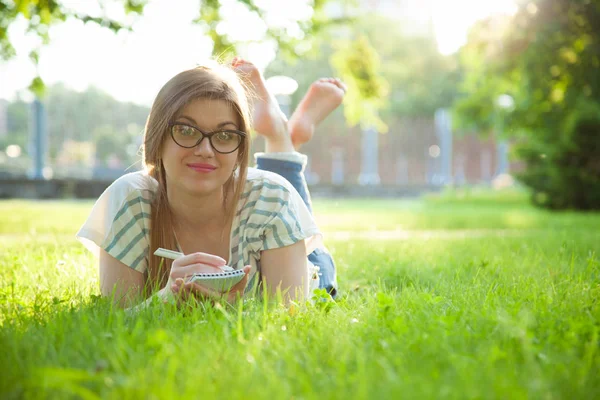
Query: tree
point(40, 16)
point(91, 116)
point(406, 75)
point(547, 57)
point(358, 65)
point(81, 116)
point(291, 37)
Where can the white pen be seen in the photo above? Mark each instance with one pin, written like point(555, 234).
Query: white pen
point(173, 255)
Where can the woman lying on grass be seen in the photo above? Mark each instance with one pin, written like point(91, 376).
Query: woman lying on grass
point(196, 194)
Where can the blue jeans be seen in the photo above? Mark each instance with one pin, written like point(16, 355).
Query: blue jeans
point(292, 171)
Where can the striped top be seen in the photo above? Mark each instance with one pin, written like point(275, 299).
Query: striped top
point(270, 214)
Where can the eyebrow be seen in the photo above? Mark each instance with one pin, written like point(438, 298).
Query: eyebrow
point(221, 125)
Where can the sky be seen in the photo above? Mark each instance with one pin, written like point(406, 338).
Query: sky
point(132, 66)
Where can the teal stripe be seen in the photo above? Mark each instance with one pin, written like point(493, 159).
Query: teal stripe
point(276, 236)
point(288, 227)
point(245, 223)
point(296, 221)
point(266, 213)
point(261, 187)
point(264, 199)
point(131, 244)
point(139, 259)
point(236, 231)
point(130, 203)
point(254, 226)
point(124, 230)
point(271, 200)
point(249, 192)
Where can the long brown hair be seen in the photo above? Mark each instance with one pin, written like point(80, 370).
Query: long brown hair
point(215, 83)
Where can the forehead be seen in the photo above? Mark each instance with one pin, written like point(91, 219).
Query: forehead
point(208, 113)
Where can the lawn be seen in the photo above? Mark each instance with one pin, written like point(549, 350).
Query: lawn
point(462, 296)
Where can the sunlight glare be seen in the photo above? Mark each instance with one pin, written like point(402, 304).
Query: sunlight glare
point(452, 19)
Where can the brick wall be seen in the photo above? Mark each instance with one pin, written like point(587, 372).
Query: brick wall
point(404, 157)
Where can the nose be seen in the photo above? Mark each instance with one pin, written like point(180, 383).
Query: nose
point(204, 148)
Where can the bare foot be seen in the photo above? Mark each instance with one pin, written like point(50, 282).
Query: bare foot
point(323, 96)
point(268, 119)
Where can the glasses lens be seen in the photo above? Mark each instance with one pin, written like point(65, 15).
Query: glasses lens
point(185, 136)
point(226, 141)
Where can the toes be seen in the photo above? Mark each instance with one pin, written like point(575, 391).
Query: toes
point(338, 82)
point(239, 62)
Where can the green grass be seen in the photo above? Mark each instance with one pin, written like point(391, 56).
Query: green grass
point(479, 296)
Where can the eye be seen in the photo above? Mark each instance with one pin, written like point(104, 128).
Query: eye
point(224, 136)
point(184, 130)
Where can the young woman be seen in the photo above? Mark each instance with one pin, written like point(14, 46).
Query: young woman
point(197, 195)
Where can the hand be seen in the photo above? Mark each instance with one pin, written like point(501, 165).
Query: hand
point(195, 263)
point(186, 289)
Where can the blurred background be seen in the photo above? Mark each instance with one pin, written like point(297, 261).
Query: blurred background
point(441, 94)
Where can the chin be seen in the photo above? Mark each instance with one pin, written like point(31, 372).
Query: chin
point(201, 186)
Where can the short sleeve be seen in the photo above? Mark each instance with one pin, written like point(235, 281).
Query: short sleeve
point(281, 219)
point(119, 223)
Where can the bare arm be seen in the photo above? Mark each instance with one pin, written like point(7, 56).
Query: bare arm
point(286, 268)
point(126, 282)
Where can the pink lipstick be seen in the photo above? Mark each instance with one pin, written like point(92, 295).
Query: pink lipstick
point(202, 167)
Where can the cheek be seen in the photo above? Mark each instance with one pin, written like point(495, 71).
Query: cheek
point(232, 160)
point(171, 155)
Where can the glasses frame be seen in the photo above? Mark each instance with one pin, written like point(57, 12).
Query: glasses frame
point(206, 135)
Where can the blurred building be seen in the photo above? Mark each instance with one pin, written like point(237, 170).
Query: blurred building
point(412, 153)
point(409, 155)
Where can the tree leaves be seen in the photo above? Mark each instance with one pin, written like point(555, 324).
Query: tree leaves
point(546, 56)
point(358, 66)
point(41, 14)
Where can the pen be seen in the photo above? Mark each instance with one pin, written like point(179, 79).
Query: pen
point(173, 255)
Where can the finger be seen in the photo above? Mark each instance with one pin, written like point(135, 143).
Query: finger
point(241, 285)
point(189, 270)
point(199, 258)
point(199, 290)
point(175, 286)
point(180, 293)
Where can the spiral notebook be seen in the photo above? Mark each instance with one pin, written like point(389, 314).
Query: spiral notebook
point(219, 281)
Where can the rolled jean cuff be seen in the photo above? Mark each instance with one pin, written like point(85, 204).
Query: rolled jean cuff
point(291, 156)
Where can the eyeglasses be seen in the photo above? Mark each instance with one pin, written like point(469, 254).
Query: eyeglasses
point(224, 142)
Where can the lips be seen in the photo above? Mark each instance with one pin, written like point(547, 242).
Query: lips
point(202, 167)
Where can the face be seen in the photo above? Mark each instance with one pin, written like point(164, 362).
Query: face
point(201, 170)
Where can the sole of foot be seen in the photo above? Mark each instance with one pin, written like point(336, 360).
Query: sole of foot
point(268, 120)
point(323, 96)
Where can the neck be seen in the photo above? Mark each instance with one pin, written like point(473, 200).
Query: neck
point(191, 210)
